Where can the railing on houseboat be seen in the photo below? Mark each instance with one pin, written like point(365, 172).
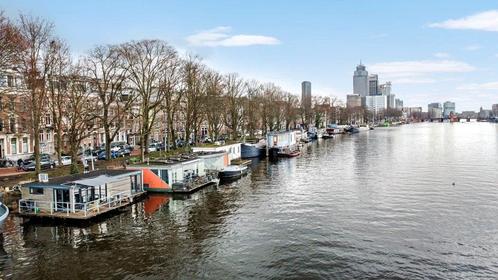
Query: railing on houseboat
point(27, 206)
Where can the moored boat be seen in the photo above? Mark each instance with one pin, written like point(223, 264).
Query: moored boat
point(351, 130)
point(287, 153)
point(253, 150)
point(232, 171)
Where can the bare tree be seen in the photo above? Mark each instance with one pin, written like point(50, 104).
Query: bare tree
point(11, 42)
point(170, 89)
point(291, 110)
point(58, 82)
point(192, 73)
point(104, 66)
point(234, 90)
point(214, 102)
point(251, 104)
point(79, 116)
point(35, 61)
point(147, 62)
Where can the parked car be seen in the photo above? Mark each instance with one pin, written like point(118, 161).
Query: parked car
point(7, 163)
point(65, 160)
point(116, 146)
point(153, 147)
point(87, 155)
point(102, 155)
point(45, 163)
point(123, 152)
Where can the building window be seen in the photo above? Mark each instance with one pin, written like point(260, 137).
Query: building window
point(1, 125)
point(10, 81)
point(12, 124)
point(13, 145)
point(35, 191)
point(25, 145)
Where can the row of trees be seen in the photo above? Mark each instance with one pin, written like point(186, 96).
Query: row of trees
point(140, 84)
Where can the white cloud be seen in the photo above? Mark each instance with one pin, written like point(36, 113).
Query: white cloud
point(479, 87)
point(473, 47)
point(220, 36)
point(485, 21)
point(442, 55)
point(418, 72)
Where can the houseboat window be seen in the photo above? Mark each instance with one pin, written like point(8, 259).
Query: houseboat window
point(164, 175)
point(35, 190)
point(155, 171)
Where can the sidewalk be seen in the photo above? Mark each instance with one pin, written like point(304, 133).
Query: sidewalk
point(9, 171)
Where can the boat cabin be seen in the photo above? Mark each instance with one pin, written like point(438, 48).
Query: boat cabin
point(214, 161)
point(81, 195)
point(180, 174)
point(233, 150)
point(282, 139)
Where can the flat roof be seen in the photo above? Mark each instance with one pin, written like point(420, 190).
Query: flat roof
point(171, 161)
point(59, 181)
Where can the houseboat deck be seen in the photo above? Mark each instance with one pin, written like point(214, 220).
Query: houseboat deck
point(187, 190)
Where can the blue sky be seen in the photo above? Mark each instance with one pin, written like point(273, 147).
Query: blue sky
point(432, 51)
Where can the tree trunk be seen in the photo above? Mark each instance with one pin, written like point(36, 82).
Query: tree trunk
point(74, 159)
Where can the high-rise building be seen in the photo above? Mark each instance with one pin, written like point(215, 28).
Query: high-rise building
point(375, 103)
point(494, 109)
point(360, 81)
point(391, 101)
point(448, 108)
point(353, 101)
point(398, 104)
point(435, 111)
point(306, 99)
point(373, 84)
point(385, 89)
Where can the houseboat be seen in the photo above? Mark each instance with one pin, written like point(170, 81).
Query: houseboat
point(80, 196)
point(214, 161)
point(234, 151)
point(333, 129)
point(253, 150)
point(282, 144)
point(183, 174)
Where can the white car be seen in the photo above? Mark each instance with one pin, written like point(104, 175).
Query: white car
point(65, 160)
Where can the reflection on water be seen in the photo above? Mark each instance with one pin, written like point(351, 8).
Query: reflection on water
point(379, 204)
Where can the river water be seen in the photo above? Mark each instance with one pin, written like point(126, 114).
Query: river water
point(410, 202)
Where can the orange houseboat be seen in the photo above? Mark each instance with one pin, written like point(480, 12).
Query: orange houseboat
point(184, 174)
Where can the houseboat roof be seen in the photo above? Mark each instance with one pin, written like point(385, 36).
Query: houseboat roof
point(210, 153)
point(172, 161)
point(93, 178)
point(281, 132)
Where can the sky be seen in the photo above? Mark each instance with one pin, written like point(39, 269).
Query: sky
point(431, 51)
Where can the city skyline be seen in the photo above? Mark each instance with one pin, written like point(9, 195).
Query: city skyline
point(439, 54)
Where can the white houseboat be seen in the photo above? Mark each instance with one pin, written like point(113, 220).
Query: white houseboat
point(80, 196)
point(183, 174)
